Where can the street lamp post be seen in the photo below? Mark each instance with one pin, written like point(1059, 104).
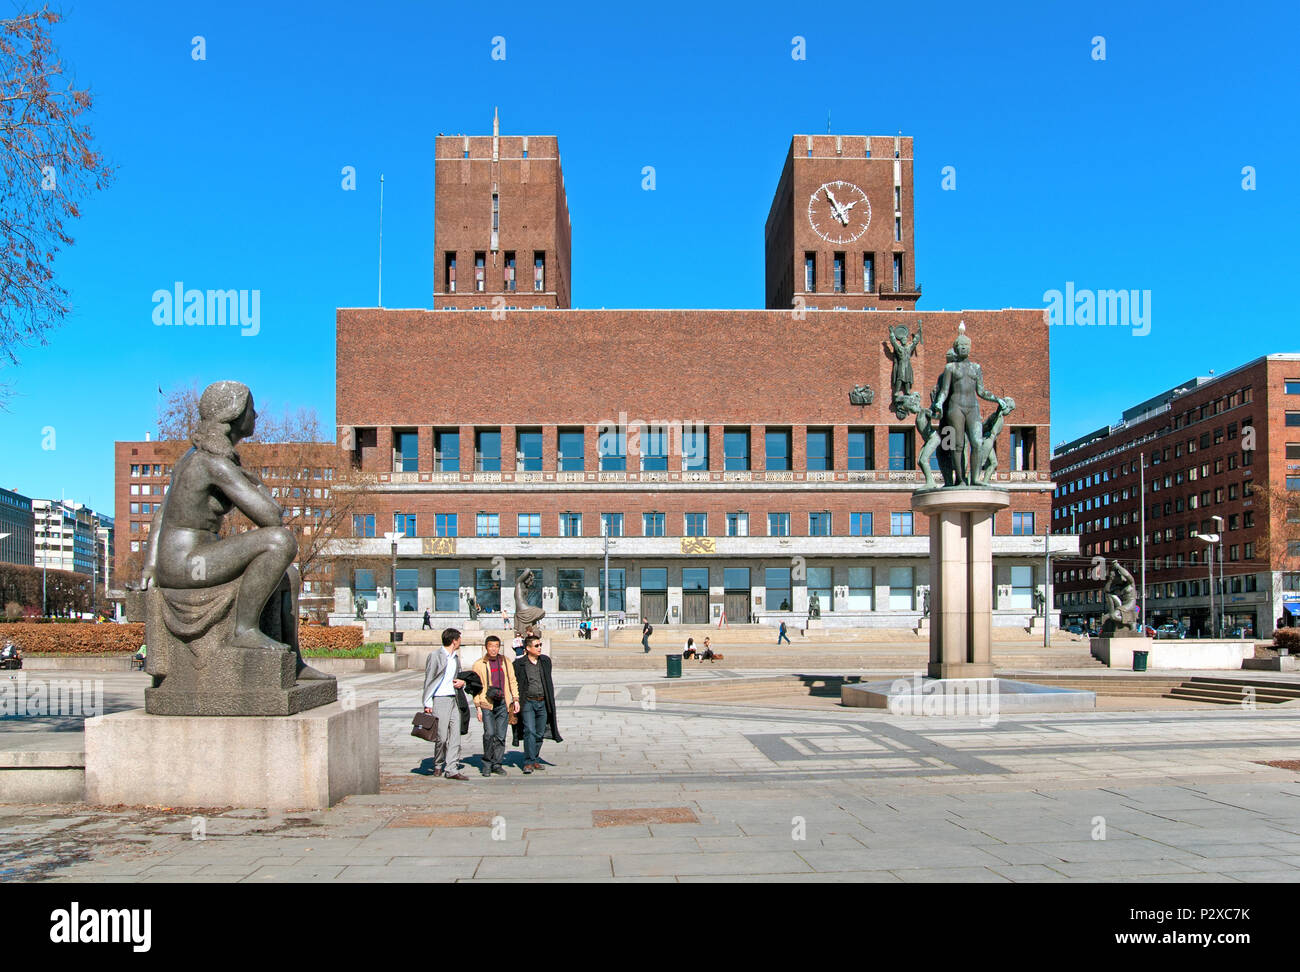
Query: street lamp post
point(392, 538)
point(1215, 621)
point(1210, 540)
point(605, 530)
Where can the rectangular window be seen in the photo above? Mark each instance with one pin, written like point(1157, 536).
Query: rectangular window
point(900, 524)
point(487, 525)
point(695, 448)
point(611, 524)
point(446, 450)
point(738, 524)
point(1292, 387)
point(449, 273)
point(539, 270)
point(860, 524)
point(572, 444)
point(510, 268)
point(901, 443)
point(819, 524)
point(406, 451)
point(617, 590)
point(408, 588)
point(901, 595)
point(487, 589)
point(530, 524)
point(1293, 419)
point(1022, 524)
point(404, 523)
point(810, 272)
point(818, 450)
point(838, 281)
point(868, 272)
point(363, 524)
point(446, 590)
point(612, 446)
point(695, 578)
point(652, 524)
point(1022, 448)
point(363, 585)
point(480, 270)
point(487, 450)
point(898, 229)
point(570, 524)
point(697, 524)
point(862, 594)
point(777, 582)
point(778, 524)
point(528, 450)
point(570, 588)
point(654, 449)
point(444, 524)
point(1022, 588)
point(735, 450)
point(898, 273)
point(861, 449)
point(778, 450)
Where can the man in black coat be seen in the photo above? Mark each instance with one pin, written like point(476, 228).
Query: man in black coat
point(537, 709)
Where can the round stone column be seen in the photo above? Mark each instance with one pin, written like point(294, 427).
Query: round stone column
point(961, 577)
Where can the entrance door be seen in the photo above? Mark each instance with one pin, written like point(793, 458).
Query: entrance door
point(695, 607)
point(654, 606)
point(737, 607)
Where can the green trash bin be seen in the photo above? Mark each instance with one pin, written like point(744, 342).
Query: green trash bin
point(1140, 661)
point(674, 666)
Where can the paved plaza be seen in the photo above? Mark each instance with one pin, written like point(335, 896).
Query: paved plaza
point(644, 789)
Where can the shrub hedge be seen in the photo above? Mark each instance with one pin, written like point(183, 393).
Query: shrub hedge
point(1288, 638)
point(88, 638)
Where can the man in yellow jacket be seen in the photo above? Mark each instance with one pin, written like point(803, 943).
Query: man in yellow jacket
point(496, 700)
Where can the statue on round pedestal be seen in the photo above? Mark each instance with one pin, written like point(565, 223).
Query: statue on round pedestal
point(526, 615)
point(222, 611)
point(1119, 594)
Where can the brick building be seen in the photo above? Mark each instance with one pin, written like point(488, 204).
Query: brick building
point(1218, 463)
point(301, 476)
point(718, 450)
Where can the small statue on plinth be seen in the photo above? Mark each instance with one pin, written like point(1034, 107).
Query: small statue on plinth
point(925, 603)
point(814, 607)
point(222, 612)
point(526, 615)
point(902, 346)
point(1040, 602)
point(1119, 594)
point(472, 606)
point(586, 606)
point(359, 606)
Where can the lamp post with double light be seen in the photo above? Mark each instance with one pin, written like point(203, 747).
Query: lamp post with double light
point(1210, 539)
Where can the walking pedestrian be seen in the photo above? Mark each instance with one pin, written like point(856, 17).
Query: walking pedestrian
point(781, 634)
point(647, 630)
point(428, 622)
point(494, 704)
point(442, 685)
point(537, 710)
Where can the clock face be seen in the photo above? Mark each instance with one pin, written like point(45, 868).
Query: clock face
point(839, 212)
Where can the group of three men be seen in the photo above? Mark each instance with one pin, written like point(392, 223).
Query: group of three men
point(519, 694)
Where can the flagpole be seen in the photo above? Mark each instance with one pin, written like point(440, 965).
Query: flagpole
point(381, 241)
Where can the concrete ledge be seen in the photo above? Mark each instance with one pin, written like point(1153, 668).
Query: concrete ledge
point(387, 662)
point(1182, 654)
point(1285, 663)
point(57, 776)
point(980, 697)
point(308, 760)
point(80, 663)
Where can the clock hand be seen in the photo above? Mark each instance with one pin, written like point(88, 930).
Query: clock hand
point(836, 210)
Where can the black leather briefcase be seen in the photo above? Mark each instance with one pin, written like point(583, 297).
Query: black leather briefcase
point(425, 726)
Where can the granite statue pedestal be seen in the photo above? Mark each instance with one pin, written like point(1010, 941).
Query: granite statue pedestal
point(309, 760)
point(961, 577)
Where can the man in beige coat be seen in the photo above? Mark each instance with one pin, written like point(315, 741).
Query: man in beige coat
point(498, 698)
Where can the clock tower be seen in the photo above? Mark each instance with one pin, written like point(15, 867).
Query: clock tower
point(840, 232)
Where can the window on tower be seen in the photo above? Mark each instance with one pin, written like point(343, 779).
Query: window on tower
point(810, 273)
point(539, 270)
point(868, 272)
point(839, 273)
point(510, 271)
point(449, 282)
point(480, 270)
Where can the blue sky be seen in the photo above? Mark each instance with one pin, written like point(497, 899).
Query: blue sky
point(1122, 173)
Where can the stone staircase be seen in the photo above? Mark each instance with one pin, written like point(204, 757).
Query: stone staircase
point(1234, 691)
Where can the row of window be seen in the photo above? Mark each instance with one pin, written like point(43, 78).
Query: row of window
point(654, 524)
point(509, 267)
point(691, 443)
point(839, 279)
point(1193, 588)
point(572, 585)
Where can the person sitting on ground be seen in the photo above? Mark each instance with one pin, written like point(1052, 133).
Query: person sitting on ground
point(689, 650)
point(706, 652)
